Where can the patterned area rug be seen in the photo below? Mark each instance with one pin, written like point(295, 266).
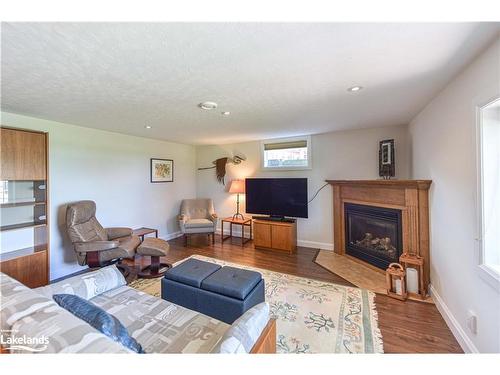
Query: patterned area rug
point(312, 316)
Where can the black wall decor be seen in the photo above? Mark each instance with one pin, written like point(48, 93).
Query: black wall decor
point(386, 159)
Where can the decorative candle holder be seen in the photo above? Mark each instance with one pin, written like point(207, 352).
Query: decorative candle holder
point(411, 261)
point(395, 281)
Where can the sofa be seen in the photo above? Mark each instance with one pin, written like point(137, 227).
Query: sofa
point(159, 326)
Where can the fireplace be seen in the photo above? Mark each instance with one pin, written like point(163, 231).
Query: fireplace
point(373, 234)
point(404, 209)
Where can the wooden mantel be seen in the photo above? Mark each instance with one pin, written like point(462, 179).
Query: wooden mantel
point(412, 184)
point(410, 196)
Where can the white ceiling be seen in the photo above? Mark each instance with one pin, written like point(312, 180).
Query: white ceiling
point(275, 79)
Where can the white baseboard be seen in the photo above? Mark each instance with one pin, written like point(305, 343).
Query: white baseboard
point(171, 236)
point(465, 342)
point(236, 232)
point(315, 245)
point(302, 243)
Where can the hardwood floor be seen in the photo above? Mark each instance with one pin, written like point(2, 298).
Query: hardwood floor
point(407, 327)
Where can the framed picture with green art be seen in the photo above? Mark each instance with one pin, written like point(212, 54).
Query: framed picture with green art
point(162, 170)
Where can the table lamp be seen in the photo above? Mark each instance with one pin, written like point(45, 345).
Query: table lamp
point(237, 187)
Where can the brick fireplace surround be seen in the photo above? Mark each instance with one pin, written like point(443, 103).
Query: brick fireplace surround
point(409, 196)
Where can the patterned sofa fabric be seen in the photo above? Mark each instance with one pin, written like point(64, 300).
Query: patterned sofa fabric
point(23, 312)
point(160, 326)
point(65, 333)
point(87, 285)
point(245, 331)
point(18, 301)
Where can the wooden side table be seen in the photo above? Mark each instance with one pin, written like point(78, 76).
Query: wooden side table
point(245, 222)
point(141, 232)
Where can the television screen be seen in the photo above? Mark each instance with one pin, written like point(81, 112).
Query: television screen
point(276, 196)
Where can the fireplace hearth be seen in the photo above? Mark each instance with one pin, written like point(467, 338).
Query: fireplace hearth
point(373, 234)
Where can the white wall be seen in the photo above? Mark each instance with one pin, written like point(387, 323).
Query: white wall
point(113, 170)
point(336, 155)
point(443, 139)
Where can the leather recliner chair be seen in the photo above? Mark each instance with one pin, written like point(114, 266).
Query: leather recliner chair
point(94, 245)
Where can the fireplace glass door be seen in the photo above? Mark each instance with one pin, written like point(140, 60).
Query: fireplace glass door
point(373, 234)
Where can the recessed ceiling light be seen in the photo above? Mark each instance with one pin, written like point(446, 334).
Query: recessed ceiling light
point(208, 105)
point(226, 113)
point(148, 126)
point(354, 88)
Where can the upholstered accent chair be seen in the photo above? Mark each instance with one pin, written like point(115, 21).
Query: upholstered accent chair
point(94, 245)
point(197, 216)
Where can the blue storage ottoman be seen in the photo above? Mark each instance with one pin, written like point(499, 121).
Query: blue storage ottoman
point(224, 293)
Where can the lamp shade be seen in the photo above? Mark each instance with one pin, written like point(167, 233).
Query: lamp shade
point(237, 187)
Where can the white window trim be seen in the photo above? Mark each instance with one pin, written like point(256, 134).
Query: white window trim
point(306, 138)
point(486, 272)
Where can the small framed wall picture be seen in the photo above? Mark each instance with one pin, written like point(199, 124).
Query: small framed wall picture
point(386, 159)
point(162, 170)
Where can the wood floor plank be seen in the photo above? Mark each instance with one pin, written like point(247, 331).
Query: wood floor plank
point(407, 327)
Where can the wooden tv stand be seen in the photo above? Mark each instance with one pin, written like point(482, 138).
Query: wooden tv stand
point(275, 235)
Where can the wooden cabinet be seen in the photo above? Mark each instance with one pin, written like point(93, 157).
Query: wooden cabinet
point(261, 234)
point(277, 235)
point(282, 237)
point(31, 270)
point(24, 254)
point(23, 155)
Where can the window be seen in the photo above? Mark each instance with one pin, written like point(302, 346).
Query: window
point(286, 154)
point(489, 187)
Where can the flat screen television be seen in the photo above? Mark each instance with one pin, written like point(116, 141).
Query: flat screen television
point(277, 197)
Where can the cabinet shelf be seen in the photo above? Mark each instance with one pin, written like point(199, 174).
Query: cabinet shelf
point(18, 204)
point(22, 225)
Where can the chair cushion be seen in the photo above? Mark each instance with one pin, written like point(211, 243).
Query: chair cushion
point(191, 272)
point(199, 223)
point(232, 282)
point(87, 231)
point(200, 208)
point(80, 212)
point(99, 319)
point(126, 249)
point(153, 247)
point(129, 244)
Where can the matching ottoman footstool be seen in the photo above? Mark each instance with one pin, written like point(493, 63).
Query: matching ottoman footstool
point(155, 248)
point(224, 293)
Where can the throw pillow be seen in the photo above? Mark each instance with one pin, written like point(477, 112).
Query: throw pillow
point(87, 285)
point(99, 319)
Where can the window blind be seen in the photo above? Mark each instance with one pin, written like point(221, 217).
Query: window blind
point(285, 145)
